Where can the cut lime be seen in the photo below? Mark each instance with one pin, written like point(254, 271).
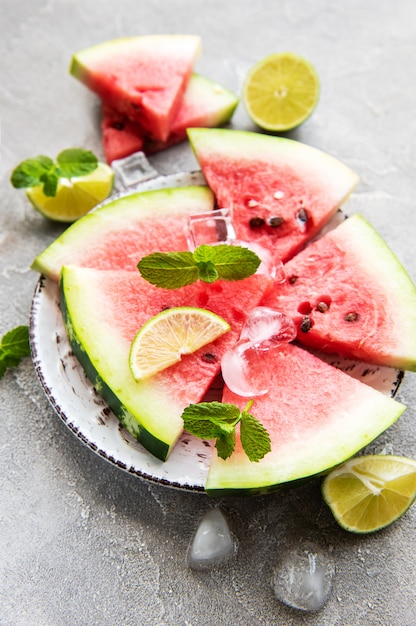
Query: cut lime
point(370, 492)
point(75, 196)
point(167, 336)
point(281, 91)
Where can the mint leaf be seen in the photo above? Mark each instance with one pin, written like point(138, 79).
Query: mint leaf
point(169, 270)
point(14, 347)
point(42, 170)
point(225, 445)
point(76, 162)
point(231, 262)
point(29, 173)
point(217, 420)
point(254, 437)
point(172, 270)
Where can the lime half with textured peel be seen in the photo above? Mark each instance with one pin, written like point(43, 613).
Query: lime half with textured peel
point(167, 336)
point(281, 91)
point(74, 196)
point(370, 492)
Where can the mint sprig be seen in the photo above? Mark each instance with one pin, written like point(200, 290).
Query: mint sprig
point(14, 346)
point(41, 170)
point(217, 420)
point(172, 270)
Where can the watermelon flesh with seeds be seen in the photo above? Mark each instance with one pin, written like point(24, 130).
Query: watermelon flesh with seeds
point(204, 103)
point(118, 234)
point(143, 77)
point(281, 192)
point(348, 294)
point(103, 310)
point(317, 417)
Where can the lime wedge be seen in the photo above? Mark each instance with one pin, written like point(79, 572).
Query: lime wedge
point(370, 492)
point(167, 336)
point(281, 91)
point(75, 196)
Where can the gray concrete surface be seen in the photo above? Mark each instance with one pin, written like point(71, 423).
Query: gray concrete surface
point(81, 542)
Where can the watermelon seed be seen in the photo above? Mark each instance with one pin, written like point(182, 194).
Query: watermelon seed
point(118, 126)
point(252, 203)
point(306, 324)
point(256, 222)
point(292, 279)
point(302, 215)
point(209, 357)
point(278, 195)
point(323, 304)
point(276, 221)
point(351, 317)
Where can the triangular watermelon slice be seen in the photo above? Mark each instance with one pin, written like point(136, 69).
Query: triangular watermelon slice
point(144, 77)
point(118, 234)
point(204, 103)
point(103, 310)
point(281, 192)
point(349, 294)
point(317, 417)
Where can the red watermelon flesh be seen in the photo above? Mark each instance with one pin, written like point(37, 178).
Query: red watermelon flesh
point(103, 310)
point(281, 192)
point(142, 77)
point(316, 416)
point(121, 232)
point(349, 294)
point(205, 103)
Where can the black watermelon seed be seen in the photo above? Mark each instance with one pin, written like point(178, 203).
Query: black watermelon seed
point(322, 307)
point(292, 279)
point(306, 324)
point(351, 317)
point(257, 222)
point(302, 215)
point(276, 221)
point(209, 357)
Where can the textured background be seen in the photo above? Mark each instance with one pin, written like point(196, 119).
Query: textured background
point(82, 543)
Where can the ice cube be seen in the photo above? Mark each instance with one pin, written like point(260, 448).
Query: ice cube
point(303, 579)
point(212, 544)
point(210, 228)
point(132, 170)
point(243, 370)
point(266, 327)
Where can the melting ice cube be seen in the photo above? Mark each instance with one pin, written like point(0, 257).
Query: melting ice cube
point(132, 170)
point(266, 327)
point(210, 228)
point(303, 579)
point(243, 371)
point(212, 544)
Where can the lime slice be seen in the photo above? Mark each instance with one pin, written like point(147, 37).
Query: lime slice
point(281, 91)
point(370, 492)
point(75, 196)
point(163, 340)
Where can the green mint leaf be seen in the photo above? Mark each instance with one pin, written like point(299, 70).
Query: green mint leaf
point(207, 271)
point(208, 420)
point(169, 270)
point(14, 347)
point(29, 173)
point(231, 262)
point(254, 437)
point(50, 183)
point(76, 162)
point(225, 445)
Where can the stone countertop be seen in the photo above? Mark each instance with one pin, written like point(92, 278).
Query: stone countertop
point(83, 543)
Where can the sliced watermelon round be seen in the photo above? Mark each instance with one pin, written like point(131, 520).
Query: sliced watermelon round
point(204, 103)
point(349, 294)
point(121, 232)
point(281, 192)
point(143, 77)
point(317, 417)
point(103, 310)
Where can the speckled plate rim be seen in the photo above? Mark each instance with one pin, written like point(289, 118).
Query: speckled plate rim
point(85, 413)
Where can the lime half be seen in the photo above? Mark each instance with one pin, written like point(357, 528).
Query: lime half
point(167, 336)
point(281, 91)
point(75, 196)
point(370, 492)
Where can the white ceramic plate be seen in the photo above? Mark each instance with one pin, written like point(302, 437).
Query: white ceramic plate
point(86, 414)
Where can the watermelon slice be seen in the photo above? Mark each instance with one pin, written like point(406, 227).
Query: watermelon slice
point(349, 294)
point(281, 192)
point(102, 312)
point(205, 103)
point(317, 417)
point(118, 234)
point(142, 77)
